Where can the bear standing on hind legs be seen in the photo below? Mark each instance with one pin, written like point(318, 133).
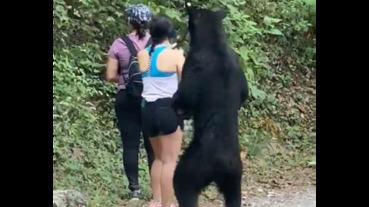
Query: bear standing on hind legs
point(212, 89)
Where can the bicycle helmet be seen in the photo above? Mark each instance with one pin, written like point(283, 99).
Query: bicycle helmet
point(139, 13)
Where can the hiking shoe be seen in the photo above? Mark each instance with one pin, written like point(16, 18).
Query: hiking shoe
point(135, 195)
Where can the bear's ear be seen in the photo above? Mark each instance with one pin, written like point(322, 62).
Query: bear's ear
point(221, 14)
point(189, 9)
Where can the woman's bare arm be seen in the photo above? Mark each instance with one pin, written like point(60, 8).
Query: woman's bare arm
point(112, 70)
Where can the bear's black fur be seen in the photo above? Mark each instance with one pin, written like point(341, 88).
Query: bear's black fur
point(212, 89)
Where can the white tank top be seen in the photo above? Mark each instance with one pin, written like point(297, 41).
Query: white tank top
point(157, 84)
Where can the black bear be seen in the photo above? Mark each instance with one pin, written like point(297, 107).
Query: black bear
point(212, 89)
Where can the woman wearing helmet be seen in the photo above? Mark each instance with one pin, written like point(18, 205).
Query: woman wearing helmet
point(127, 108)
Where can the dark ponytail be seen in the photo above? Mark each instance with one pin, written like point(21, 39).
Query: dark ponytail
point(161, 29)
point(155, 42)
point(153, 45)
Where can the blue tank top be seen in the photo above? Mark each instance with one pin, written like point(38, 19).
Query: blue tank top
point(158, 84)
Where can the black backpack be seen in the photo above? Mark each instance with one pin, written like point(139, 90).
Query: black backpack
point(132, 77)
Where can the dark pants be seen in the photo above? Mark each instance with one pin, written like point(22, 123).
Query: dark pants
point(128, 111)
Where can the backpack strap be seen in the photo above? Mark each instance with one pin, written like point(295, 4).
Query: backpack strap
point(130, 45)
point(148, 42)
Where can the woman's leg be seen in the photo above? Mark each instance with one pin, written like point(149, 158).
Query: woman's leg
point(129, 125)
point(170, 148)
point(149, 150)
point(156, 169)
point(147, 145)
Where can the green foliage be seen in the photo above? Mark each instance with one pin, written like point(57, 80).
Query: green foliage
point(276, 44)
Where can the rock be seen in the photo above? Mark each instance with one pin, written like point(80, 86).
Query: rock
point(69, 198)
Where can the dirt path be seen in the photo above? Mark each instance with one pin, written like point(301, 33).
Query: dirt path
point(293, 197)
point(299, 197)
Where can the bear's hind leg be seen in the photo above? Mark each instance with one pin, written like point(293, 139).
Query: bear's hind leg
point(185, 188)
point(229, 184)
point(190, 178)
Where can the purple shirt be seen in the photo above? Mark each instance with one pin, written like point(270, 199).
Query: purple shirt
point(119, 51)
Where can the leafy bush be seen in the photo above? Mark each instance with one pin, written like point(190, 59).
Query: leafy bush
point(276, 44)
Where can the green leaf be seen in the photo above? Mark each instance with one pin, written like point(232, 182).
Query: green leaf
point(275, 32)
point(271, 21)
point(244, 53)
point(257, 93)
point(310, 2)
point(250, 74)
point(312, 163)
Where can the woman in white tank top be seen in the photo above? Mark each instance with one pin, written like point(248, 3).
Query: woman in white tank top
point(161, 68)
